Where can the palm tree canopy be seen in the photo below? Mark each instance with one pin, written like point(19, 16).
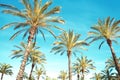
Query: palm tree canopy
point(68, 42)
point(6, 69)
point(110, 63)
point(39, 71)
point(85, 64)
point(35, 16)
point(21, 49)
point(97, 76)
point(106, 29)
point(63, 75)
point(35, 55)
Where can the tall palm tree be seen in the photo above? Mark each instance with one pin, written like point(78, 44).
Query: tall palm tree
point(5, 69)
point(39, 72)
point(36, 18)
point(70, 43)
point(84, 65)
point(107, 30)
point(63, 75)
point(35, 57)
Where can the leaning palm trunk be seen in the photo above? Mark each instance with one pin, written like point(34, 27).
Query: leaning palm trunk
point(69, 64)
point(33, 65)
point(109, 42)
point(26, 54)
point(2, 76)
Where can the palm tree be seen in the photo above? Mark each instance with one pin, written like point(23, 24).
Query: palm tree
point(36, 19)
point(106, 74)
point(76, 69)
point(70, 43)
point(63, 75)
point(84, 65)
point(5, 69)
point(35, 57)
point(107, 30)
point(110, 63)
point(39, 72)
point(97, 76)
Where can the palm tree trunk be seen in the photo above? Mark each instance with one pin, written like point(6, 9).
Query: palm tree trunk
point(22, 67)
point(2, 76)
point(108, 74)
point(78, 76)
point(33, 65)
point(69, 64)
point(109, 42)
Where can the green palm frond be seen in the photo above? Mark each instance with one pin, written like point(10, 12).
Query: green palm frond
point(101, 44)
point(8, 25)
point(17, 33)
point(45, 6)
point(9, 7)
point(20, 25)
point(27, 4)
point(53, 11)
point(16, 13)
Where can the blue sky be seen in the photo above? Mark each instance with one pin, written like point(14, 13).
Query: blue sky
point(79, 15)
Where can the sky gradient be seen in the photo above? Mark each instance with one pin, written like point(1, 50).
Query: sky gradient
point(79, 15)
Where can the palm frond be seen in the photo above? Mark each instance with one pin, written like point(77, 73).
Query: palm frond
point(53, 11)
point(20, 14)
point(8, 25)
point(9, 7)
point(45, 6)
point(20, 25)
point(51, 32)
point(101, 44)
point(16, 34)
point(27, 4)
point(42, 34)
point(25, 34)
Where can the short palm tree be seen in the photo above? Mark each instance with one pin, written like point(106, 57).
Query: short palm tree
point(70, 43)
point(97, 76)
point(110, 63)
point(36, 18)
point(106, 74)
point(76, 69)
point(5, 69)
point(63, 75)
point(107, 30)
point(35, 57)
point(39, 72)
point(84, 65)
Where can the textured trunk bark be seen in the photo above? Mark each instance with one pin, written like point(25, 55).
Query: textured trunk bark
point(33, 65)
point(69, 64)
point(109, 42)
point(2, 76)
point(26, 54)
